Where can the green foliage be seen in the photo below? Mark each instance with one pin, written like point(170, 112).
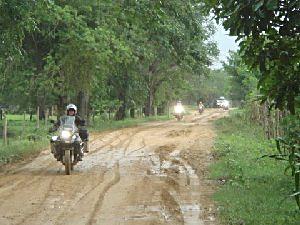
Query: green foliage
point(268, 31)
point(20, 150)
point(243, 81)
point(288, 147)
point(24, 139)
point(209, 88)
point(131, 52)
point(254, 190)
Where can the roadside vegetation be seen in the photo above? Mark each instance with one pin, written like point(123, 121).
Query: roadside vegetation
point(265, 75)
point(253, 190)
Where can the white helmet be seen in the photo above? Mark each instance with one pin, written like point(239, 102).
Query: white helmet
point(72, 106)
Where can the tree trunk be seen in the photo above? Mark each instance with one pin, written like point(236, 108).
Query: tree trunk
point(41, 100)
point(1, 114)
point(46, 117)
point(149, 105)
point(132, 112)
point(155, 111)
point(123, 87)
point(109, 114)
point(93, 116)
point(31, 115)
point(61, 106)
point(121, 113)
point(83, 104)
point(51, 111)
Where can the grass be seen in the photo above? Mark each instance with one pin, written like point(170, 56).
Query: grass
point(255, 190)
point(19, 150)
point(26, 140)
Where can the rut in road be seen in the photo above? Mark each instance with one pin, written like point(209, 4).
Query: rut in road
point(150, 174)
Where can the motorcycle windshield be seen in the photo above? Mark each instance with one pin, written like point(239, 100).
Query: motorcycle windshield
point(68, 122)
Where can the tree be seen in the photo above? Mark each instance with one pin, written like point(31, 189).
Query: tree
point(136, 52)
point(270, 44)
point(268, 31)
point(243, 81)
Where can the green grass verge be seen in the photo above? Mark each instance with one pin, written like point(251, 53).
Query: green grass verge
point(26, 140)
point(19, 150)
point(256, 190)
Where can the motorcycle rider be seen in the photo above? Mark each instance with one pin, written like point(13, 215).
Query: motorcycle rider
point(200, 107)
point(71, 110)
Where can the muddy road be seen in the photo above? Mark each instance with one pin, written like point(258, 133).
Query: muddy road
point(152, 174)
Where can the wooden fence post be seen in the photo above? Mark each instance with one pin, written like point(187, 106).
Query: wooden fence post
point(23, 125)
point(141, 112)
point(38, 117)
point(5, 130)
point(46, 117)
point(155, 111)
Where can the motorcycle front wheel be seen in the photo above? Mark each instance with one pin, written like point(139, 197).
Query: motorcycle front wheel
point(68, 162)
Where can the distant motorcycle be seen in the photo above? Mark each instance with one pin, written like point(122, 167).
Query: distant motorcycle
point(67, 146)
point(201, 109)
point(178, 112)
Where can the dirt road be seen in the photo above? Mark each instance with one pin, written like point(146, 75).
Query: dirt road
point(152, 174)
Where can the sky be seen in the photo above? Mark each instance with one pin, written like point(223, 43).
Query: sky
point(225, 43)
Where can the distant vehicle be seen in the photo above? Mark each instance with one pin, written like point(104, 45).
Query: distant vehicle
point(178, 111)
point(200, 107)
point(222, 103)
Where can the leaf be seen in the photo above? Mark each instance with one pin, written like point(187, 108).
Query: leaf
point(297, 154)
point(272, 4)
point(258, 5)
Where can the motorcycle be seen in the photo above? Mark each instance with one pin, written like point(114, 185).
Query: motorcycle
point(67, 147)
point(201, 109)
point(178, 112)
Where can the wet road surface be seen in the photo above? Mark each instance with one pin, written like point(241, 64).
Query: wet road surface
point(153, 174)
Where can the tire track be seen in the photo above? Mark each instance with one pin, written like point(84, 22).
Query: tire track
point(38, 208)
point(105, 189)
point(22, 184)
point(59, 220)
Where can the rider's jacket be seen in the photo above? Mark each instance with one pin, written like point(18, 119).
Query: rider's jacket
point(78, 122)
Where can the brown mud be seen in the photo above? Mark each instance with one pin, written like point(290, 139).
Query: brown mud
point(153, 174)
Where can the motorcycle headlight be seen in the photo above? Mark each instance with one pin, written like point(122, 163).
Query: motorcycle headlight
point(66, 134)
point(178, 109)
point(54, 138)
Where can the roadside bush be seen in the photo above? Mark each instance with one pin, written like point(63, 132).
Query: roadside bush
point(254, 190)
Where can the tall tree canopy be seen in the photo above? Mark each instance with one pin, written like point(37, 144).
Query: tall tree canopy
point(268, 31)
point(119, 54)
